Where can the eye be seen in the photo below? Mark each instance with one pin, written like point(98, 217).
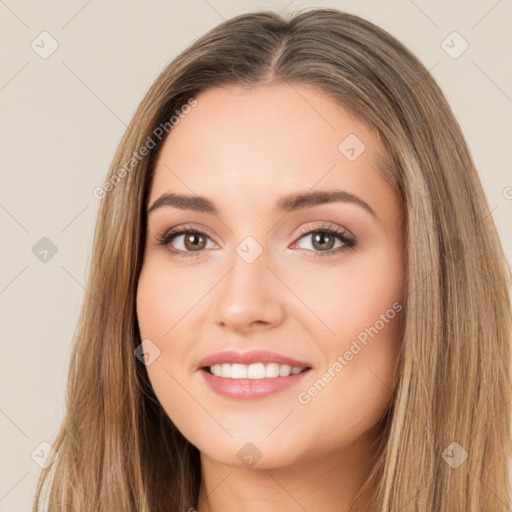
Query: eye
point(191, 240)
point(323, 240)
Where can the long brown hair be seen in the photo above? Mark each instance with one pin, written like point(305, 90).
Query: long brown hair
point(118, 450)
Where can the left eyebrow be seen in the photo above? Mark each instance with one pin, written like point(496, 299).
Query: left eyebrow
point(292, 202)
point(310, 199)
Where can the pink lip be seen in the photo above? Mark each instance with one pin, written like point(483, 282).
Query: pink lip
point(250, 388)
point(253, 356)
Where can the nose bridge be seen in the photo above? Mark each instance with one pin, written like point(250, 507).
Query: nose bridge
point(249, 292)
point(249, 273)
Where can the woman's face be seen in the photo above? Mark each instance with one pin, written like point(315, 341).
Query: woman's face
point(264, 273)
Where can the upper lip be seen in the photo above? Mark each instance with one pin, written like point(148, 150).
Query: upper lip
point(252, 356)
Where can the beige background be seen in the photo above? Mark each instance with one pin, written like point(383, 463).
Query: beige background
point(63, 116)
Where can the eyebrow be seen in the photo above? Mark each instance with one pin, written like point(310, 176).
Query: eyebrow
point(285, 204)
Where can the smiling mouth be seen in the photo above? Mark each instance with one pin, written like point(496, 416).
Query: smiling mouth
point(256, 371)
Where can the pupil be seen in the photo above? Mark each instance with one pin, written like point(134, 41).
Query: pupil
point(320, 239)
point(190, 241)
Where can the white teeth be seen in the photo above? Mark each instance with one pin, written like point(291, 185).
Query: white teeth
point(254, 371)
point(226, 370)
point(238, 371)
point(285, 370)
point(272, 370)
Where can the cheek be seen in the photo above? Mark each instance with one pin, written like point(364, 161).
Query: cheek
point(167, 299)
point(362, 306)
point(354, 388)
point(351, 297)
point(168, 303)
point(163, 300)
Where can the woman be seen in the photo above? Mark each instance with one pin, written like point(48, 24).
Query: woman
point(254, 374)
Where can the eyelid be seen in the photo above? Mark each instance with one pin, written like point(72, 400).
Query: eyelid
point(194, 228)
point(349, 241)
point(304, 230)
point(324, 224)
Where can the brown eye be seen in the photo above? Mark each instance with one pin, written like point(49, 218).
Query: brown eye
point(194, 241)
point(323, 240)
point(326, 241)
point(185, 242)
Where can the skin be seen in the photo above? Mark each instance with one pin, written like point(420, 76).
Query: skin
point(244, 149)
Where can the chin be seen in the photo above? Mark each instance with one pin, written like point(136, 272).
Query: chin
point(251, 455)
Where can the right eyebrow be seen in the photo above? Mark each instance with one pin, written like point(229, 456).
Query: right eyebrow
point(184, 202)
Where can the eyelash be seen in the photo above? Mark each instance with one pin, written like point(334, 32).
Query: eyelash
point(348, 240)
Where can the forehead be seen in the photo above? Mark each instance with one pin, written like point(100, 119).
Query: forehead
point(266, 141)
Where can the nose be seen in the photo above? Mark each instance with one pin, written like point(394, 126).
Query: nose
point(250, 296)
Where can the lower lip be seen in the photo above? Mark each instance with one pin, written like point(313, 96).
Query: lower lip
point(250, 388)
